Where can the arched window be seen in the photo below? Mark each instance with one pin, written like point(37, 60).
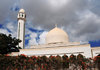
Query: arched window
point(22, 15)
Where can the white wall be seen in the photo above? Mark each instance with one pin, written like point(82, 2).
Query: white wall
point(21, 32)
point(95, 51)
point(83, 49)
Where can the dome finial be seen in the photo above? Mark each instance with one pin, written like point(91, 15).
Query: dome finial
point(22, 10)
point(56, 25)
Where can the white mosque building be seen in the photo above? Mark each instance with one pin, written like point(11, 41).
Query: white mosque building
point(57, 43)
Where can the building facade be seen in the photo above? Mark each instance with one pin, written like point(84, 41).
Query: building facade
point(57, 43)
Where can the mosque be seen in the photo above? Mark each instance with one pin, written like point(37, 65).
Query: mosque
point(57, 43)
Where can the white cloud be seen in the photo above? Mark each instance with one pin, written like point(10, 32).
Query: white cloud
point(10, 26)
point(13, 28)
point(32, 37)
point(42, 38)
point(32, 41)
point(4, 31)
point(58, 3)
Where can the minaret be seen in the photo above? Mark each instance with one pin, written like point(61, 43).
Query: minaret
point(21, 27)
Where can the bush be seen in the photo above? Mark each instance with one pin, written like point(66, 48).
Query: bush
point(23, 62)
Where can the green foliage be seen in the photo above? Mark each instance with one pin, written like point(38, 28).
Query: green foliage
point(65, 61)
point(81, 61)
point(8, 44)
point(97, 61)
point(23, 62)
point(72, 59)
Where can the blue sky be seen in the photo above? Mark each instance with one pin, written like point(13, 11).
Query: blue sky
point(79, 18)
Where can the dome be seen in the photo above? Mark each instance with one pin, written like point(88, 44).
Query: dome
point(22, 10)
point(56, 35)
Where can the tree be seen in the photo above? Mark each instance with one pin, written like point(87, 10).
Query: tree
point(97, 61)
point(8, 44)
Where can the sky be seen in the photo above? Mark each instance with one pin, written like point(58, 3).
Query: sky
point(79, 18)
